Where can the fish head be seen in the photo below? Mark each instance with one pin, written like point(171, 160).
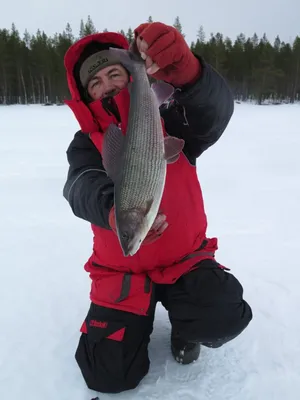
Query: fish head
point(132, 229)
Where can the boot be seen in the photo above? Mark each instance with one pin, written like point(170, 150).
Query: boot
point(184, 352)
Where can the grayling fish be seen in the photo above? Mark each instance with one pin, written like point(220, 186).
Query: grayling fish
point(137, 162)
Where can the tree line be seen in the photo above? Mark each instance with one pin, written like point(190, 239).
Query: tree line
point(32, 69)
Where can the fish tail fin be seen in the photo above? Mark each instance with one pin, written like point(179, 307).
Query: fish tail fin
point(127, 57)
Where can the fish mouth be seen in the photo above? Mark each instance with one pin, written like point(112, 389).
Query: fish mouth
point(130, 249)
point(127, 253)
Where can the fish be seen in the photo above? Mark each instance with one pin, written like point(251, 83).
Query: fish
point(137, 161)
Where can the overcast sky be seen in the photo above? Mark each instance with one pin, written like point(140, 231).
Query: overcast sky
point(229, 17)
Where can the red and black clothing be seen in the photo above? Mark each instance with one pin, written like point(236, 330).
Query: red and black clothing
point(205, 303)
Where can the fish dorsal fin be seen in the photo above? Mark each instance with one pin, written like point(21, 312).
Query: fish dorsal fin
point(173, 148)
point(112, 150)
point(162, 91)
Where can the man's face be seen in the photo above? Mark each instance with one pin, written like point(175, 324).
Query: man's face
point(108, 82)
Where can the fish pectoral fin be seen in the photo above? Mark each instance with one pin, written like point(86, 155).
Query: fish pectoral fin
point(173, 147)
point(111, 150)
point(162, 91)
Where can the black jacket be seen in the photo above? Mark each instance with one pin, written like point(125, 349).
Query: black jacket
point(199, 114)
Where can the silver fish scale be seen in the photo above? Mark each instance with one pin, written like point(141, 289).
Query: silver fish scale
point(143, 149)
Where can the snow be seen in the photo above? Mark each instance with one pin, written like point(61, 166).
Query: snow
point(251, 185)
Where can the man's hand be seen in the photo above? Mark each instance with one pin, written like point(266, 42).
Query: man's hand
point(157, 229)
point(166, 54)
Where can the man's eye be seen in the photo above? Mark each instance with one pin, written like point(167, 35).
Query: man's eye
point(113, 76)
point(95, 84)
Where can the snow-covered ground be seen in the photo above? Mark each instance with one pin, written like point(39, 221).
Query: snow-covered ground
point(251, 185)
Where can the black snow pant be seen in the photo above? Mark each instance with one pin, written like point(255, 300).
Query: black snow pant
point(206, 305)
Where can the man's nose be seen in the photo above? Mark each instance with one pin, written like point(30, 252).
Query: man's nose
point(107, 86)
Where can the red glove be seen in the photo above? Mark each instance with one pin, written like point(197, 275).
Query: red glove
point(157, 229)
point(166, 53)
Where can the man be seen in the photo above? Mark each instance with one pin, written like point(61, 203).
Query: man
point(176, 263)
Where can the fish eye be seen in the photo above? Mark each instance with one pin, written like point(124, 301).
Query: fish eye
point(125, 235)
